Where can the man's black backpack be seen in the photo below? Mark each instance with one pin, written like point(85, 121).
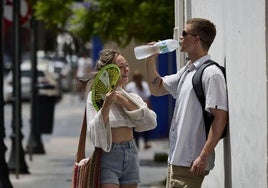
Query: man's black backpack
point(197, 85)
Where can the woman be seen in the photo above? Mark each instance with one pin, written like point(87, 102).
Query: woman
point(111, 128)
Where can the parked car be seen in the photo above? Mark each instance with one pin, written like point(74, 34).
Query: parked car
point(62, 70)
point(46, 83)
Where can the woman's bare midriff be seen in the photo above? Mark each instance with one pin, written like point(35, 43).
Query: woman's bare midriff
point(122, 134)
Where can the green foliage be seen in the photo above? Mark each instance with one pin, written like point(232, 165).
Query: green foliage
point(54, 13)
point(119, 21)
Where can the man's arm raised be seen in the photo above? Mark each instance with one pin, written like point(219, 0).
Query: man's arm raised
point(153, 78)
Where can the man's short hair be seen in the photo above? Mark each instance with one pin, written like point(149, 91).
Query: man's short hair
point(205, 29)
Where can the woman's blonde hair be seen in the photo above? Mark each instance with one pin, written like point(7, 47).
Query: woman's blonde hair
point(106, 56)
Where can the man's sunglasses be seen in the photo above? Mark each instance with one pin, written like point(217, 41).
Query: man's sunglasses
point(184, 33)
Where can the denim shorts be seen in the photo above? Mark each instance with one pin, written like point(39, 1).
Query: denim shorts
point(120, 165)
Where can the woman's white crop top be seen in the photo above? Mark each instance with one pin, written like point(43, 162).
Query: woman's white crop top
point(142, 119)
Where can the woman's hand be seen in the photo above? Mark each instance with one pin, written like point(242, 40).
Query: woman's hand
point(123, 101)
point(110, 98)
point(117, 98)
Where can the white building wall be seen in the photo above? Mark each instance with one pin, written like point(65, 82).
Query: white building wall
point(240, 44)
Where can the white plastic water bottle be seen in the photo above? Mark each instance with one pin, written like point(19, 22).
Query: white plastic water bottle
point(164, 46)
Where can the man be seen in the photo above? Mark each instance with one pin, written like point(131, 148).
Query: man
point(191, 154)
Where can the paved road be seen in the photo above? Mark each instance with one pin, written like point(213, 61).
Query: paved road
point(53, 169)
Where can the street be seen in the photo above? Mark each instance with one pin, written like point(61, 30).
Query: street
point(54, 168)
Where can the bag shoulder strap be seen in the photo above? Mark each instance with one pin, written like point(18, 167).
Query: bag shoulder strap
point(82, 140)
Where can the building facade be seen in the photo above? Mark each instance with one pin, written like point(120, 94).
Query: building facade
point(241, 46)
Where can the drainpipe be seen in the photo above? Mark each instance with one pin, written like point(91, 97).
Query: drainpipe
point(179, 24)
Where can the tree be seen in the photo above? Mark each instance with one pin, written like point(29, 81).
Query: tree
point(54, 13)
point(119, 21)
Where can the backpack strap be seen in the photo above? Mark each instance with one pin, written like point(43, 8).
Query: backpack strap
point(199, 91)
point(197, 81)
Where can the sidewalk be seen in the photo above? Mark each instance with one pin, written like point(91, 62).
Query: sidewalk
point(54, 168)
